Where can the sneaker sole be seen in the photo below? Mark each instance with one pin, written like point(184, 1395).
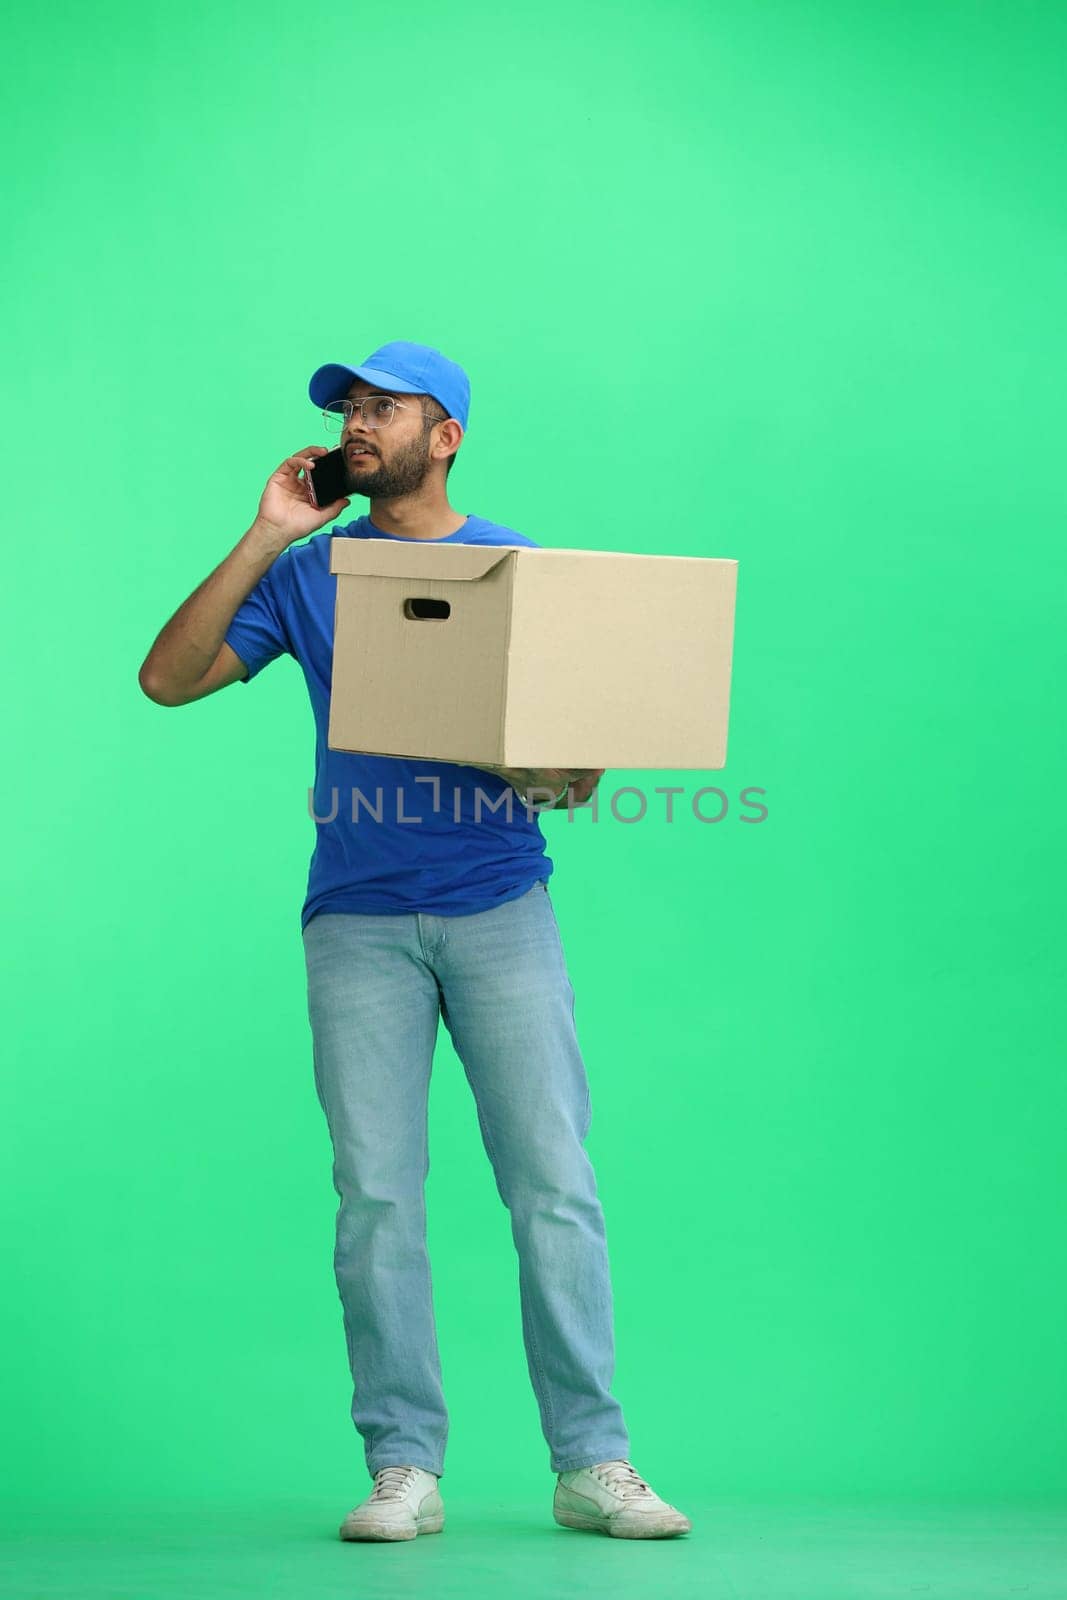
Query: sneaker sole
point(382, 1530)
point(619, 1530)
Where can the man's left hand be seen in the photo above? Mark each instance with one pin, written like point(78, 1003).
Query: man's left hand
point(548, 781)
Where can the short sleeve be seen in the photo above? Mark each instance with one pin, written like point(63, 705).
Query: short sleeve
point(259, 631)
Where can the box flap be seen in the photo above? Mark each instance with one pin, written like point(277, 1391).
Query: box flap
point(414, 558)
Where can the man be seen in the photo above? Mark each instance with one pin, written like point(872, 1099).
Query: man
point(418, 910)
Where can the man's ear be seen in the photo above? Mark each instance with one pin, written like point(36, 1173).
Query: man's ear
point(450, 436)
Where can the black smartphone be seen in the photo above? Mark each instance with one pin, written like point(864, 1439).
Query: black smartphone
point(327, 480)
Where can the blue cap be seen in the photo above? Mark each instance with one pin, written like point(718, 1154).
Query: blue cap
point(405, 368)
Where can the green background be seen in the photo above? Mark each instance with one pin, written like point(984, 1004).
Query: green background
point(781, 283)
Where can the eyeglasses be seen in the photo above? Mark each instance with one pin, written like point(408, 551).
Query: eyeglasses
point(377, 411)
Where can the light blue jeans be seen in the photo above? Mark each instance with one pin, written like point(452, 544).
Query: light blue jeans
point(377, 983)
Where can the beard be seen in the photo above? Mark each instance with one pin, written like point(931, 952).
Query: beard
point(403, 474)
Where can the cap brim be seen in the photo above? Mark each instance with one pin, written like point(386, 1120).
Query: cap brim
point(334, 380)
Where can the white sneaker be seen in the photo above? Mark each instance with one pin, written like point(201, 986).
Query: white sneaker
point(611, 1498)
point(404, 1502)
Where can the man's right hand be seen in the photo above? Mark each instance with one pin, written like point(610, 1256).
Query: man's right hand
point(285, 510)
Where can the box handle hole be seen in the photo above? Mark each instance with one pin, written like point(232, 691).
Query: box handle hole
point(423, 609)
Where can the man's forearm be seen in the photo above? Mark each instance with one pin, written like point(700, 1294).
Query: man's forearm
point(188, 644)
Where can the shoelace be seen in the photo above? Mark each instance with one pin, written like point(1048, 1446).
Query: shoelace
point(391, 1482)
point(621, 1477)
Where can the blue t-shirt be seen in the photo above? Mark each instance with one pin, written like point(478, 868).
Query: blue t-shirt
point(413, 846)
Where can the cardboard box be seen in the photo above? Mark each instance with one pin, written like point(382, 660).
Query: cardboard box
point(504, 655)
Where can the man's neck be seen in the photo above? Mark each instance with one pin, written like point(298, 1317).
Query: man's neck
point(416, 517)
